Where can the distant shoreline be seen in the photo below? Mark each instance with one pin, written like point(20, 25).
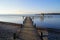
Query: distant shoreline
point(49, 14)
point(29, 14)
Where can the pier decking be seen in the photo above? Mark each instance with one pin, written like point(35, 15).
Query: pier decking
point(28, 32)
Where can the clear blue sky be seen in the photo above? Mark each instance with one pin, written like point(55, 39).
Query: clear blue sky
point(29, 6)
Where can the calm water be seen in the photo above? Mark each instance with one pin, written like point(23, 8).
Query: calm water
point(46, 21)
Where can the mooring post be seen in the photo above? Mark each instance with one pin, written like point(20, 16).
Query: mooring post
point(35, 25)
point(41, 36)
point(14, 36)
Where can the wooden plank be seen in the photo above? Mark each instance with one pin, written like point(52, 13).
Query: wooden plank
point(28, 31)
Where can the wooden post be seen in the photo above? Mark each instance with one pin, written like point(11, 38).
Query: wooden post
point(14, 36)
point(35, 25)
point(41, 36)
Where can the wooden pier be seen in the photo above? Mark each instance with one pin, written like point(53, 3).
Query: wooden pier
point(28, 31)
point(25, 31)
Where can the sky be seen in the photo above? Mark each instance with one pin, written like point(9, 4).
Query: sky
point(29, 6)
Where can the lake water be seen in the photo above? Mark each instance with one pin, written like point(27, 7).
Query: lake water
point(46, 21)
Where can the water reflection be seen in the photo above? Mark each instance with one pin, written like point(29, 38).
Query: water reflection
point(48, 21)
point(51, 21)
point(42, 17)
point(13, 19)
